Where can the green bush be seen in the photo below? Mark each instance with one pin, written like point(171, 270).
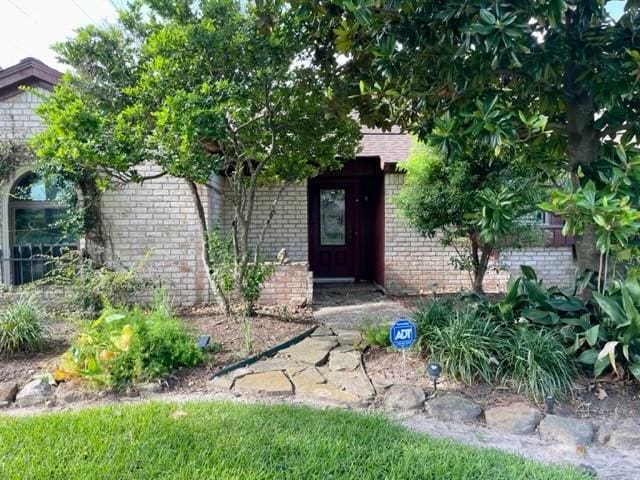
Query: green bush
point(375, 334)
point(534, 361)
point(430, 317)
point(124, 346)
point(90, 288)
point(21, 325)
point(462, 341)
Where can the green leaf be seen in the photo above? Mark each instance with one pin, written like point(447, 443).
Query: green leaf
point(589, 357)
point(592, 335)
point(528, 273)
point(611, 308)
point(600, 366)
point(634, 368)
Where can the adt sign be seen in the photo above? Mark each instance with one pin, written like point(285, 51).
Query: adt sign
point(402, 333)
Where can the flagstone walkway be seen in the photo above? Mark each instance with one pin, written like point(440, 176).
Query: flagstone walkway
point(325, 366)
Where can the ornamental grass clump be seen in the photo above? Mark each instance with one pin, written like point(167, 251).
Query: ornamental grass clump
point(126, 346)
point(21, 325)
point(464, 343)
point(535, 362)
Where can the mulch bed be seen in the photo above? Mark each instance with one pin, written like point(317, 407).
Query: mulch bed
point(267, 330)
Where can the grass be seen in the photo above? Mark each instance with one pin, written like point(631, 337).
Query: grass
point(231, 441)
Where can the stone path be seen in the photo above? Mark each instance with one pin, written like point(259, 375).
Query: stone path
point(349, 306)
point(325, 366)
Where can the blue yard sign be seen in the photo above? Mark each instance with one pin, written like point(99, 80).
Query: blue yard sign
point(402, 333)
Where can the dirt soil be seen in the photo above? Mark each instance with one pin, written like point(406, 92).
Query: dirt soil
point(227, 342)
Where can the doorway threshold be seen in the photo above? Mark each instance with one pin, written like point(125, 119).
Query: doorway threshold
point(324, 280)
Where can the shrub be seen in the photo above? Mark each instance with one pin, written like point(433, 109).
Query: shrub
point(535, 362)
point(90, 287)
point(126, 346)
point(430, 317)
point(463, 342)
point(21, 325)
point(375, 334)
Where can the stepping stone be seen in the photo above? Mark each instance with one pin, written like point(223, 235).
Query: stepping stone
point(626, 436)
point(278, 363)
point(571, 431)
point(344, 361)
point(453, 408)
point(307, 378)
point(36, 392)
point(518, 418)
point(8, 392)
point(328, 392)
point(404, 398)
point(349, 337)
point(353, 382)
point(311, 351)
point(225, 382)
point(270, 383)
point(323, 331)
point(239, 372)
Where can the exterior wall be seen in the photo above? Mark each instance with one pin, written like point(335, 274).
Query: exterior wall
point(18, 121)
point(291, 284)
point(416, 264)
point(289, 225)
point(157, 222)
point(554, 265)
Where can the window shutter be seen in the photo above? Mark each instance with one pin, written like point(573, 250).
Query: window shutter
point(556, 239)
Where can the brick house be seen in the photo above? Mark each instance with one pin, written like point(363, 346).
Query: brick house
point(339, 226)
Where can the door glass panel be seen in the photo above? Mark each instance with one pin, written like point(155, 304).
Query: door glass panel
point(332, 216)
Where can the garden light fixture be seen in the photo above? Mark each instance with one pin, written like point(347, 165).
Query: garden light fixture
point(550, 402)
point(434, 370)
point(203, 341)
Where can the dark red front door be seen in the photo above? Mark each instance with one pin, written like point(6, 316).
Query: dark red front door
point(333, 228)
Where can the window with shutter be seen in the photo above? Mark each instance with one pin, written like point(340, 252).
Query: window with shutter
point(554, 224)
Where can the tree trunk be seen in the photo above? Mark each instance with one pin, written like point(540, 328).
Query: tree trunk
point(583, 140)
point(221, 299)
point(480, 260)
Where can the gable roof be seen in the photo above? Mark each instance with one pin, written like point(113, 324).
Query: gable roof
point(391, 147)
point(29, 72)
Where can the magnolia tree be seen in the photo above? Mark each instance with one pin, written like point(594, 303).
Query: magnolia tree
point(206, 88)
point(549, 83)
point(477, 206)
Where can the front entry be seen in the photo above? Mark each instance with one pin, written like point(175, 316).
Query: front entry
point(334, 229)
point(346, 223)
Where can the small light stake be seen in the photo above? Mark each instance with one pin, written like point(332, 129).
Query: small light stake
point(434, 370)
point(203, 341)
point(550, 402)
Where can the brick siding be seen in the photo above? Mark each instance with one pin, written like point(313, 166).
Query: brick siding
point(416, 264)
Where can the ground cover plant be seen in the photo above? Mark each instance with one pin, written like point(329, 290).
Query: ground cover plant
point(230, 441)
point(124, 346)
point(21, 325)
point(474, 343)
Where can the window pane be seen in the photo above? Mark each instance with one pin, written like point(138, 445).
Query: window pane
point(36, 225)
point(33, 188)
point(332, 216)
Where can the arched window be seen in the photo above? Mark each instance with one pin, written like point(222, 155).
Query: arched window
point(37, 209)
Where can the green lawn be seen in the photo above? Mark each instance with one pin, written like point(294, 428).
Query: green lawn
point(244, 442)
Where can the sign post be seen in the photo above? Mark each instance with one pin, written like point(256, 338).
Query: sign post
point(402, 335)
